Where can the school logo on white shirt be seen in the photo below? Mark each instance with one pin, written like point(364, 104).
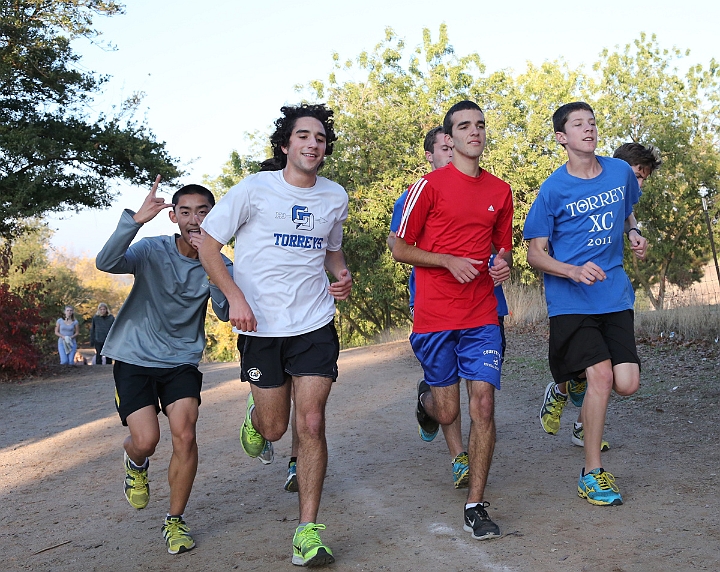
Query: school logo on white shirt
point(303, 219)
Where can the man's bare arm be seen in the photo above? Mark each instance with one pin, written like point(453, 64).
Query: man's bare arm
point(462, 269)
point(241, 315)
point(539, 258)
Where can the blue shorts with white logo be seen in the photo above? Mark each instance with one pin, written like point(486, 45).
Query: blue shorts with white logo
point(473, 354)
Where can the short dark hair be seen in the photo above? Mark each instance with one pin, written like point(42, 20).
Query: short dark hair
point(459, 106)
point(636, 154)
point(429, 144)
point(284, 127)
point(193, 190)
point(560, 117)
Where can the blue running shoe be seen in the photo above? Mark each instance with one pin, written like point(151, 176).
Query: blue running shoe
point(461, 471)
point(598, 487)
point(576, 391)
point(427, 426)
point(291, 484)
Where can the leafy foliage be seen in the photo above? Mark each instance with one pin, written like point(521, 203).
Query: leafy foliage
point(52, 155)
point(21, 320)
point(642, 97)
point(386, 100)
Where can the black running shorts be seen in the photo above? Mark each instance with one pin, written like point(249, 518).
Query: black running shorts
point(137, 387)
point(578, 341)
point(269, 362)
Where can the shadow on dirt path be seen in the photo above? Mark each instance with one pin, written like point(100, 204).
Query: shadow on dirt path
point(388, 501)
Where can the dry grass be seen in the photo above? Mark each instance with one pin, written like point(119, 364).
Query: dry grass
point(684, 323)
point(528, 308)
point(693, 321)
point(526, 303)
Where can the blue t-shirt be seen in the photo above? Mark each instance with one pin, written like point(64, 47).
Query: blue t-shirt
point(583, 220)
point(502, 307)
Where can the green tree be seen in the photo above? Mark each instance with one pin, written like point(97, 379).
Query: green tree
point(521, 147)
point(53, 156)
point(642, 97)
point(381, 121)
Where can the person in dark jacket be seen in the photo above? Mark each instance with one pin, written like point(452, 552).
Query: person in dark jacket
point(101, 323)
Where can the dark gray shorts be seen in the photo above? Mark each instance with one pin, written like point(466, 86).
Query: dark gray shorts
point(137, 387)
point(578, 341)
point(270, 362)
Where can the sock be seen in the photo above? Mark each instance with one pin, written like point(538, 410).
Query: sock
point(292, 460)
point(472, 504)
point(578, 426)
point(557, 390)
point(180, 516)
point(140, 467)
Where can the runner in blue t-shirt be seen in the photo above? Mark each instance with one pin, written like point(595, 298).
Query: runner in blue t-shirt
point(643, 161)
point(576, 230)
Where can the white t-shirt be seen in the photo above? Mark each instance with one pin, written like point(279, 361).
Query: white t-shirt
point(281, 234)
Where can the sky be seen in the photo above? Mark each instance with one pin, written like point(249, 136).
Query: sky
point(215, 70)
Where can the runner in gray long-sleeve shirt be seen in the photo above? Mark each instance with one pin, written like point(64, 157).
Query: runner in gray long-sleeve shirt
point(157, 341)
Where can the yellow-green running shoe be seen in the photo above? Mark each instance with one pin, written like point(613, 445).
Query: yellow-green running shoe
point(252, 442)
point(137, 488)
point(308, 549)
point(461, 471)
point(552, 408)
point(578, 438)
point(177, 535)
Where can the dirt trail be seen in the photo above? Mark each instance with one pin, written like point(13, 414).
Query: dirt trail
point(388, 502)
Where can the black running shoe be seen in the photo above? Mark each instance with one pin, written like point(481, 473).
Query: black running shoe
point(478, 522)
point(427, 426)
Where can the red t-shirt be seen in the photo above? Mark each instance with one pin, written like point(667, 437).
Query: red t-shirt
point(448, 212)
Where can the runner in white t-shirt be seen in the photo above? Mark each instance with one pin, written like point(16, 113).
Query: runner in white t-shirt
point(287, 225)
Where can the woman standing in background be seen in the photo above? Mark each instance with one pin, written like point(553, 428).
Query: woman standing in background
point(99, 329)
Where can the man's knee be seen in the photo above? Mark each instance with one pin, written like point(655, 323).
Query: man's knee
point(145, 443)
point(311, 425)
point(482, 403)
point(446, 415)
point(627, 382)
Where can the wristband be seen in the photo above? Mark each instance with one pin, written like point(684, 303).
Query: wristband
point(635, 229)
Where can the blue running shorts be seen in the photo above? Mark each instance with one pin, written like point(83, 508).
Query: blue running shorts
point(473, 354)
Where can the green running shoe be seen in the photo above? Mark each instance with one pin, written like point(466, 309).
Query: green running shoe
point(578, 438)
point(137, 488)
point(598, 487)
point(308, 549)
point(552, 408)
point(177, 535)
point(461, 471)
point(252, 442)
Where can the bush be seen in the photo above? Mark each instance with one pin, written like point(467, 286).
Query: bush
point(19, 356)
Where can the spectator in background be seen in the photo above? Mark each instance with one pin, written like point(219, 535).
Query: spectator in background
point(101, 323)
point(67, 330)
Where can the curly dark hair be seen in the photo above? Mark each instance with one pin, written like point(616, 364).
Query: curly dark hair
point(284, 127)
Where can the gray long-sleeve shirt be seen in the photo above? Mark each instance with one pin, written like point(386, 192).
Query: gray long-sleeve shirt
point(162, 322)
